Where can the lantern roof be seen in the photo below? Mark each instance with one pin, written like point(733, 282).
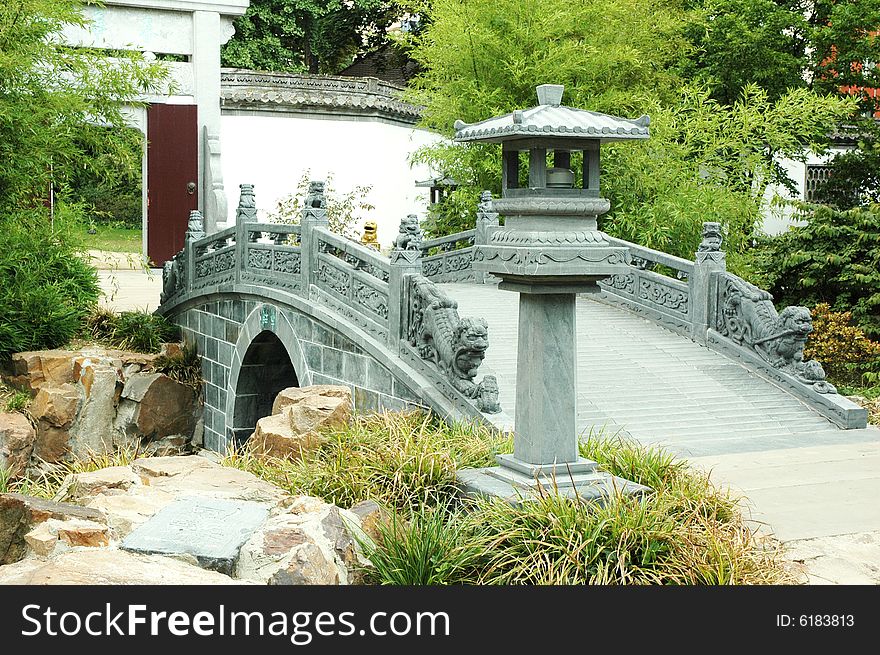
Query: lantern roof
point(552, 119)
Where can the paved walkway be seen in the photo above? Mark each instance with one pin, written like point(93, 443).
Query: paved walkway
point(813, 485)
point(127, 284)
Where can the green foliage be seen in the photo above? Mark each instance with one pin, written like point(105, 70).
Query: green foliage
point(12, 399)
point(855, 174)
point(834, 258)
point(47, 286)
point(684, 532)
point(485, 57)
point(434, 547)
point(139, 331)
point(705, 161)
point(846, 354)
point(53, 100)
point(401, 460)
point(741, 42)
point(316, 36)
point(344, 210)
point(844, 48)
point(184, 367)
point(710, 162)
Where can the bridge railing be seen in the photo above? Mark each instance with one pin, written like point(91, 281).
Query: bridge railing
point(350, 279)
point(655, 283)
point(450, 258)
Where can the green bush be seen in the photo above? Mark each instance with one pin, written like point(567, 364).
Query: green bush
point(834, 258)
point(47, 286)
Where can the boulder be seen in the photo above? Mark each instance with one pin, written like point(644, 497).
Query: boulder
point(275, 436)
point(31, 370)
point(109, 566)
point(162, 407)
point(93, 431)
point(130, 509)
point(17, 437)
point(307, 542)
point(197, 476)
point(56, 404)
point(294, 395)
point(80, 487)
point(52, 444)
point(54, 535)
point(371, 516)
point(19, 514)
point(303, 416)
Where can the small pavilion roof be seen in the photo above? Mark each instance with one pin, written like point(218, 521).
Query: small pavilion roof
point(553, 120)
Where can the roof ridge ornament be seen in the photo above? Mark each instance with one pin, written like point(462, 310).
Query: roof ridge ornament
point(550, 94)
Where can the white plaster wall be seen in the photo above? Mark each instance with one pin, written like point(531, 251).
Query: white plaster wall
point(777, 218)
point(272, 151)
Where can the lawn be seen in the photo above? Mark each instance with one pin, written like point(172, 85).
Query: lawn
point(114, 239)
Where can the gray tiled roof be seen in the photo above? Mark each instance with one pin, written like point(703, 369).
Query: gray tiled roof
point(553, 120)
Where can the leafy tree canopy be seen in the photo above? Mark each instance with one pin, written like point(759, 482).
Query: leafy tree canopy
point(55, 99)
point(316, 36)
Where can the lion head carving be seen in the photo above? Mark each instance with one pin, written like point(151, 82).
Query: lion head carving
point(470, 342)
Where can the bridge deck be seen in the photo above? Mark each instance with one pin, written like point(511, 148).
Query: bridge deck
point(656, 386)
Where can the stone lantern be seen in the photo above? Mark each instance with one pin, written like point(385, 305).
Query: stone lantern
point(548, 250)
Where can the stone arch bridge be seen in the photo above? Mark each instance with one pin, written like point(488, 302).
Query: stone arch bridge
point(671, 351)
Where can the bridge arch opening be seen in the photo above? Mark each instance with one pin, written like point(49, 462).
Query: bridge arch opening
point(265, 370)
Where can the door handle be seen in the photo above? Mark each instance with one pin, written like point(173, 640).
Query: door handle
point(191, 188)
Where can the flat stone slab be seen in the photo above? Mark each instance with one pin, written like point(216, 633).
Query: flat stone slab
point(208, 529)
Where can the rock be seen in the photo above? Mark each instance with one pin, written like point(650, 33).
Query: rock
point(194, 475)
point(171, 350)
point(294, 395)
point(168, 447)
point(17, 437)
point(109, 566)
point(307, 542)
point(55, 404)
point(319, 413)
point(78, 487)
point(165, 407)
point(52, 443)
point(274, 436)
point(208, 529)
point(371, 515)
point(31, 370)
point(42, 540)
point(93, 431)
point(128, 510)
point(19, 514)
point(303, 416)
point(78, 532)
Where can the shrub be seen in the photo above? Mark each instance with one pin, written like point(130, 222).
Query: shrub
point(47, 286)
point(185, 367)
point(139, 331)
point(833, 257)
point(847, 355)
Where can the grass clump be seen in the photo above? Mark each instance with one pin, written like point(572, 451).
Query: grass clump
point(138, 331)
point(12, 399)
point(184, 367)
point(47, 480)
point(402, 460)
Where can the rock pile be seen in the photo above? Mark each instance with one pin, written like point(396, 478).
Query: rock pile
point(94, 401)
point(99, 528)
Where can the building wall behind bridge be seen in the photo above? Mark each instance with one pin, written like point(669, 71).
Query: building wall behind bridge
point(274, 150)
point(222, 330)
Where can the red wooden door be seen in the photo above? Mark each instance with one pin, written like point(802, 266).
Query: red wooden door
point(172, 177)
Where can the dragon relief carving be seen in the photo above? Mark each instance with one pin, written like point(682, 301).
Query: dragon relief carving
point(747, 316)
point(456, 345)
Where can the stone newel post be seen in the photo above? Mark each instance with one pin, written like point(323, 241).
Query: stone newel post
point(709, 259)
point(314, 214)
point(406, 261)
point(549, 250)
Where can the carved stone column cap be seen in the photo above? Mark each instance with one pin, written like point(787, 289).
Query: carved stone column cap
point(196, 228)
